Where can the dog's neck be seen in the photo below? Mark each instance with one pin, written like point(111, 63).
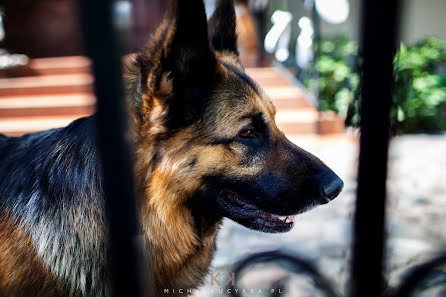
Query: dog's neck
point(182, 242)
point(181, 246)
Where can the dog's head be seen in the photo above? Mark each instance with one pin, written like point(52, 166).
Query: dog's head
point(207, 140)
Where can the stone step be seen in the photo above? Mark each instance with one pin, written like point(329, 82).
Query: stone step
point(22, 125)
point(51, 105)
point(291, 122)
point(20, 120)
point(300, 121)
point(286, 97)
point(62, 91)
point(60, 65)
point(309, 121)
point(267, 77)
point(283, 94)
point(331, 123)
point(46, 84)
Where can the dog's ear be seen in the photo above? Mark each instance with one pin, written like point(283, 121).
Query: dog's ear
point(178, 61)
point(189, 55)
point(222, 23)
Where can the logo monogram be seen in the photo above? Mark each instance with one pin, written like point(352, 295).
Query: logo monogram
point(228, 278)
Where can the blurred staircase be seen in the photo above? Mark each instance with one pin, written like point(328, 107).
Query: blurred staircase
point(58, 90)
point(295, 115)
point(54, 92)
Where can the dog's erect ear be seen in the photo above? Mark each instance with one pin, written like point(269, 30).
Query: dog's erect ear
point(190, 56)
point(222, 34)
point(177, 62)
point(179, 51)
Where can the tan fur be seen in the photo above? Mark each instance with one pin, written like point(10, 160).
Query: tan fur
point(179, 258)
point(23, 273)
point(165, 181)
point(182, 143)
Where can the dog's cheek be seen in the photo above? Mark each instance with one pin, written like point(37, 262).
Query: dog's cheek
point(213, 157)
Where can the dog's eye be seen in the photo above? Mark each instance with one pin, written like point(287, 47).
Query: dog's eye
point(247, 134)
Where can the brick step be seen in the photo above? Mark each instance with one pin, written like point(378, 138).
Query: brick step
point(291, 122)
point(60, 65)
point(301, 121)
point(51, 105)
point(22, 125)
point(287, 97)
point(283, 94)
point(331, 123)
point(289, 103)
point(62, 92)
point(262, 73)
point(308, 121)
point(46, 84)
point(267, 76)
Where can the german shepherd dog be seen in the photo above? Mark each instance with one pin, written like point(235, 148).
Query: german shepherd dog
point(206, 146)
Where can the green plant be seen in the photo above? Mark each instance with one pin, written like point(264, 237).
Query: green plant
point(420, 88)
point(336, 82)
point(419, 100)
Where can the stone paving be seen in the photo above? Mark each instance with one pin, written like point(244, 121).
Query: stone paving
point(416, 207)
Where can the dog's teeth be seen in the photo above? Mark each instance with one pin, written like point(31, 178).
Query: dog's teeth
point(282, 218)
point(288, 221)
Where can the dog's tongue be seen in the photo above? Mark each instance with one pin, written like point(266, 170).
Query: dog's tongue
point(291, 218)
point(234, 198)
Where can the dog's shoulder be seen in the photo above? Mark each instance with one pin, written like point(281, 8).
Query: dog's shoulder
point(48, 160)
point(51, 187)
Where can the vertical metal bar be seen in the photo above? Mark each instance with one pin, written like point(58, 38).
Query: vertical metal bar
point(101, 47)
point(316, 19)
point(378, 42)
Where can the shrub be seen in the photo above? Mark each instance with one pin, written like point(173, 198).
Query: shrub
point(420, 88)
point(419, 100)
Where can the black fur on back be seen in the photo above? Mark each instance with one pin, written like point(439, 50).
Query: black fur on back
point(51, 185)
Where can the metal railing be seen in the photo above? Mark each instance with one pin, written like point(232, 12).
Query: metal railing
point(378, 45)
point(124, 257)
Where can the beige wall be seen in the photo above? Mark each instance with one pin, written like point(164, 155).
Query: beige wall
point(423, 18)
point(419, 19)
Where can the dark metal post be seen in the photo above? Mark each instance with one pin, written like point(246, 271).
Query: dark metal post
point(378, 42)
point(316, 19)
point(101, 47)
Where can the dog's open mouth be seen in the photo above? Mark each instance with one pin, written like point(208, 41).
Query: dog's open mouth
point(251, 216)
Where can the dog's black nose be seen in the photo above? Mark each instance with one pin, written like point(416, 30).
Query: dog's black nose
point(331, 186)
